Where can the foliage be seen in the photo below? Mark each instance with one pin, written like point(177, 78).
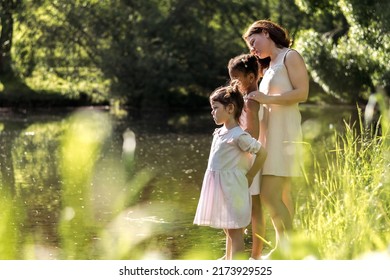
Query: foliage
point(349, 60)
point(174, 52)
point(345, 210)
point(53, 53)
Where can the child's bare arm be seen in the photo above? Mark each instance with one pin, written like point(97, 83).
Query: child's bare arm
point(261, 155)
point(252, 118)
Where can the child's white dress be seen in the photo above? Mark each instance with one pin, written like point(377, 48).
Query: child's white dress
point(225, 201)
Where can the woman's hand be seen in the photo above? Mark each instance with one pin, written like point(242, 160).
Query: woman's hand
point(258, 96)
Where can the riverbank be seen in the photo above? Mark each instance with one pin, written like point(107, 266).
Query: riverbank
point(16, 95)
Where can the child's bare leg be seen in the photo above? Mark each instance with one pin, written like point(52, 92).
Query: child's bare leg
point(237, 242)
point(228, 247)
point(258, 227)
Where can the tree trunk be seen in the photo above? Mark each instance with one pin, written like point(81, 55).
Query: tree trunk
point(6, 24)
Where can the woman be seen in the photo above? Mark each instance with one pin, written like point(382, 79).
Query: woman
point(284, 85)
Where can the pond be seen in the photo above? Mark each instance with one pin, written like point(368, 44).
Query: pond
point(93, 184)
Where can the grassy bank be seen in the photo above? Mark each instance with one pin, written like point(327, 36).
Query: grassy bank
point(345, 211)
point(45, 89)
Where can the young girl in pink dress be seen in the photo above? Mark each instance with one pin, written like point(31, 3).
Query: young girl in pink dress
point(225, 200)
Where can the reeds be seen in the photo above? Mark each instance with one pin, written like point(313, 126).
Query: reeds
point(346, 209)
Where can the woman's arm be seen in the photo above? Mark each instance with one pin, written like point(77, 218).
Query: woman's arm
point(299, 77)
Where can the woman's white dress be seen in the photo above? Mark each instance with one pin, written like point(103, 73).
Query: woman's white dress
point(225, 201)
point(283, 133)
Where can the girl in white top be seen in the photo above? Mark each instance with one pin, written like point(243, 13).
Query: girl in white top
point(284, 85)
point(225, 201)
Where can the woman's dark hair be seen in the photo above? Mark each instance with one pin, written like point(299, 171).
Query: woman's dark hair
point(277, 34)
point(246, 63)
point(229, 95)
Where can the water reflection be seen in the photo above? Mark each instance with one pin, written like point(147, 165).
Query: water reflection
point(100, 186)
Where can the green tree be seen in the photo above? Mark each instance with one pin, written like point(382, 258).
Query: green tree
point(54, 50)
point(172, 51)
point(349, 59)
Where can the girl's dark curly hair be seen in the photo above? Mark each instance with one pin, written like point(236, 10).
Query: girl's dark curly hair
point(246, 63)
